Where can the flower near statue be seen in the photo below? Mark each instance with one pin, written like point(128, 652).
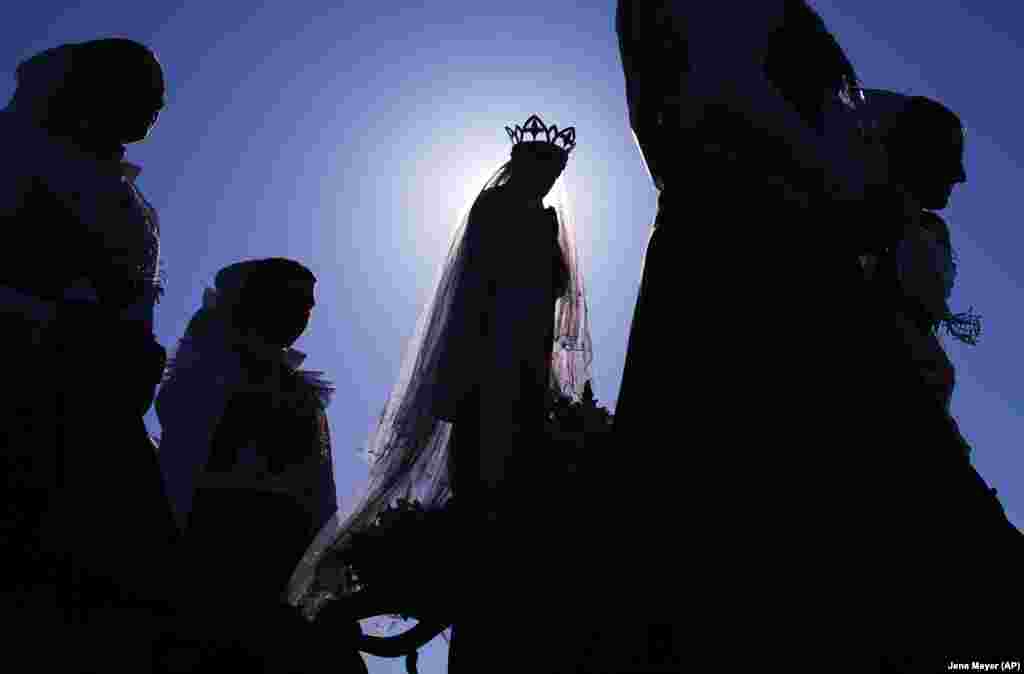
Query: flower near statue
point(380, 554)
point(570, 422)
point(390, 551)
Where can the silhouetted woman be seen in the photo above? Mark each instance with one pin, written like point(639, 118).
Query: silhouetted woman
point(78, 284)
point(506, 324)
point(246, 447)
point(245, 431)
point(940, 510)
point(924, 140)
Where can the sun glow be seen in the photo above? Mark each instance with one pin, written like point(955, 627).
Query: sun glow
point(559, 195)
point(475, 177)
point(444, 182)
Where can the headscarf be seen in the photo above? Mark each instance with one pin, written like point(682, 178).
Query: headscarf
point(207, 367)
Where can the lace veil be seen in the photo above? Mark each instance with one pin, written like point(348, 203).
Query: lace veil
point(408, 449)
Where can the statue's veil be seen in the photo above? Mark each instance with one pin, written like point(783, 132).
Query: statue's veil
point(408, 448)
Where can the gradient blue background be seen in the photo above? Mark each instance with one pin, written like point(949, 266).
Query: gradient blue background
point(350, 137)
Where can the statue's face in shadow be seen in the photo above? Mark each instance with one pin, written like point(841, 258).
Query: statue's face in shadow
point(535, 169)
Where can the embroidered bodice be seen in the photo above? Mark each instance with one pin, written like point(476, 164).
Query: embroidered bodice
point(70, 218)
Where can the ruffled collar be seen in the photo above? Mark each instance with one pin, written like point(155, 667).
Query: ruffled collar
point(290, 358)
point(190, 348)
point(220, 341)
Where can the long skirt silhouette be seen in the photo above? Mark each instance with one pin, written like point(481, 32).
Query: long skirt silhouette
point(94, 539)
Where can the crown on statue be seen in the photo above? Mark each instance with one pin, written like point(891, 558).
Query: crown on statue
point(540, 133)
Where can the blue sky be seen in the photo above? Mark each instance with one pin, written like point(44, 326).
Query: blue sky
point(348, 135)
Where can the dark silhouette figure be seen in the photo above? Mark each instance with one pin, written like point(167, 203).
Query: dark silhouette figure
point(743, 514)
point(513, 286)
point(940, 514)
point(88, 526)
point(89, 535)
point(234, 402)
point(247, 457)
point(507, 323)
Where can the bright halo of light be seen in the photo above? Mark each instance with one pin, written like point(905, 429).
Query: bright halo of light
point(447, 180)
point(559, 194)
point(468, 189)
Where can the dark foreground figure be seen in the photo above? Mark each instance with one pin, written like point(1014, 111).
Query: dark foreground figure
point(806, 490)
point(955, 557)
point(88, 529)
point(247, 456)
point(93, 566)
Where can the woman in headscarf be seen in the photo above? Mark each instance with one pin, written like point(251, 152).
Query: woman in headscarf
point(92, 528)
point(925, 144)
point(79, 278)
point(939, 509)
point(246, 454)
point(245, 436)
